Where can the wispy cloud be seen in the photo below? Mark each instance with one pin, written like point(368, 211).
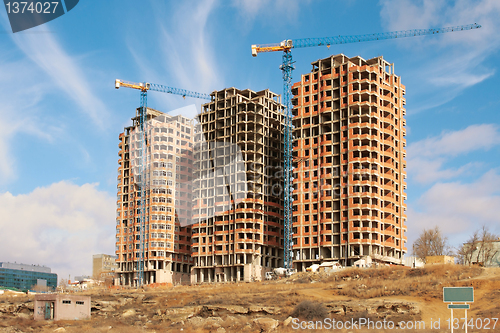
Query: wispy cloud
point(185, 53)
point(20, 111)
point(427, 157)
point(37, 69)
point(450, 63)
point(252, 9)
point(61, 226)
point(189, 49)
point(65, 71)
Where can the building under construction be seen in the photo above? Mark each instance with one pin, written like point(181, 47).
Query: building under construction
point(349, 161)
point(164, 242)
point(238, 204)
point(214, 190)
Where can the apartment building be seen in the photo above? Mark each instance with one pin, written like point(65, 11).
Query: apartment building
point(103, 266)
point(349, 161)
point(167, 183)
point(237, 232)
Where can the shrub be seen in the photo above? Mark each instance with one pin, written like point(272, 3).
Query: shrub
point(310, 310)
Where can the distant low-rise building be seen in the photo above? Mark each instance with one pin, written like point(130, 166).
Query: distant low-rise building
point(487, 254)
point(429, 260)
point(412, 261)
point(21, 276)
point(103, 266)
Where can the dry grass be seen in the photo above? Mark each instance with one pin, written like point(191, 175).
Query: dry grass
point(292, 296)
point(393, 281)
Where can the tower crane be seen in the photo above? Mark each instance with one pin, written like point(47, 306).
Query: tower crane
point(142, 151)
point(287, 68)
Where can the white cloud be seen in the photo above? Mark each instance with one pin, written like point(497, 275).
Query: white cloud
point(427, 157)
point(458, 208)
point(452, 143)
point(60, 226)
point(445, 64)
point(425, 171)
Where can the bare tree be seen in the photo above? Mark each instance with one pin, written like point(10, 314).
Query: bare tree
point(485, 247)
point(480, 248)
point(431, 243)
point(466, 251)
point(63, 284)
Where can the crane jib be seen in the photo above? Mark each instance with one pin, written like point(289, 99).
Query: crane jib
point(309, 42)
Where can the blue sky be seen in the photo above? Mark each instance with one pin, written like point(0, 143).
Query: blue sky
point(60, 115)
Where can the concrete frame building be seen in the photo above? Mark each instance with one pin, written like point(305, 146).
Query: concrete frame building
point(349, 160)
point(238, 205)
point(168, 201)
point(215, 201)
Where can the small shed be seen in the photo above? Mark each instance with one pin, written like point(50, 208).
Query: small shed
point(439, 260)
point(363, 262)
point(61, 307)
point(330, 266)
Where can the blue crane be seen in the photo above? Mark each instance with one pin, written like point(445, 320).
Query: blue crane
point(287, 68)
point(142, 152)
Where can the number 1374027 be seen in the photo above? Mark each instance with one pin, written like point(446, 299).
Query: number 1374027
point(31, 7)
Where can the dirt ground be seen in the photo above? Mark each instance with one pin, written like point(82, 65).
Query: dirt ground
point(393, 294)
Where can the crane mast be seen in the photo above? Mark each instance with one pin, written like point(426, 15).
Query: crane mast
point(141, 178)
point(287, 68)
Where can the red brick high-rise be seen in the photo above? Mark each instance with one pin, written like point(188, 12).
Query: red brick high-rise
point(349, 159)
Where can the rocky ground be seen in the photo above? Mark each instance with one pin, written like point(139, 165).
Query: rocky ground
point(393, 294)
